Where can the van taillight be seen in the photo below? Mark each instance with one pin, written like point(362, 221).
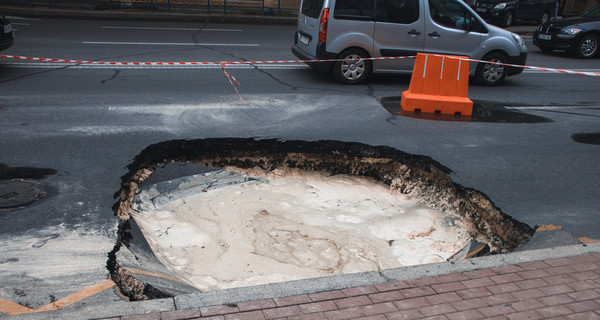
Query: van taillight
point(323, 25)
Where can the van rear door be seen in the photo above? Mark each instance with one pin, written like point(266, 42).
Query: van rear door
point(399, 31)
point(308, 26)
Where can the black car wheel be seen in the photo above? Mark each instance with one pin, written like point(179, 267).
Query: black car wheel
point(494, 72)
point(353, 69)
point(509, 19)
point(588, 46)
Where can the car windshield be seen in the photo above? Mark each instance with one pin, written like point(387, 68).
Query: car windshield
point(592, 13)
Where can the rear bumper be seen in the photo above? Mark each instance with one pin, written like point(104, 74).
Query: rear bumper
point(323, 66)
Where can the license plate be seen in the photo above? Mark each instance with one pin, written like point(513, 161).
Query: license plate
point(8, 28)
point(481, 10)
point(544, 36)
point(303, 39)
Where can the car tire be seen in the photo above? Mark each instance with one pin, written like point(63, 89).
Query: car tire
point(509, 19)
point(352, 68)
point(588, 46)
point(491, 74)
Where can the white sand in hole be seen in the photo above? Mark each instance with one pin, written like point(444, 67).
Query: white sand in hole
point(295, 227)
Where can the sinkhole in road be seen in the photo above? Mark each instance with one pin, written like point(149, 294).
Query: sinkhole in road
point(267, 211)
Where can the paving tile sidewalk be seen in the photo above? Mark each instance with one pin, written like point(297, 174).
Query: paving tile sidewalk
point(565, 288)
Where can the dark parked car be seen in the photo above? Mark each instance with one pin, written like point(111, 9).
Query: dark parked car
point(504, 13)
point(6, 33)
point(577, 35)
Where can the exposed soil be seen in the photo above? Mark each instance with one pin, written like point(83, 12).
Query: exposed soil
point(417, 176)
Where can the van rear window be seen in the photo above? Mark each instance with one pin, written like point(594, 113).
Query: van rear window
point(354, 9)
point(312, 8)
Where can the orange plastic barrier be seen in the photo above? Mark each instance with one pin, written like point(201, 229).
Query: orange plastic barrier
point(439, 85)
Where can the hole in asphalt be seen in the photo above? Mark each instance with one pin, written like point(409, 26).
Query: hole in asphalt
point(223, 213)
point(483, 111)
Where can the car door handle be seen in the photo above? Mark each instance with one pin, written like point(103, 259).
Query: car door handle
point(413, 33)
point(434, 35)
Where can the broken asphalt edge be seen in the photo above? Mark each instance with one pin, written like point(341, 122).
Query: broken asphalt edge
point(298, 287)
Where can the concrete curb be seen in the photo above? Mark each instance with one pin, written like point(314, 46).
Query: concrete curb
point(232, 296)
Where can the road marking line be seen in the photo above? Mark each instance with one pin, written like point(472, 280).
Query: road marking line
point(78, 296)
point(548, 227)
point(12, 308)
point(586, 240)
point(474, 252)
point(173, 29)
point(157, 275)
point(126, 43)
point(534, 71)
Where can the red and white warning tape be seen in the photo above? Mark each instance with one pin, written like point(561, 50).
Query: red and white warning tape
point(192, 63)
point(581, 73)
point(225, 63)
point(232, 79)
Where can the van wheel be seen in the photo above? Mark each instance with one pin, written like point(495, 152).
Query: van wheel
point(491, 74)
point(509, 19)
point(353, 69)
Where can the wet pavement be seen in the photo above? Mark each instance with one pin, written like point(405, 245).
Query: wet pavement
point(556, 282)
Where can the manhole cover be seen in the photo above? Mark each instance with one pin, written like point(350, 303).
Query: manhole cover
point(16, 193)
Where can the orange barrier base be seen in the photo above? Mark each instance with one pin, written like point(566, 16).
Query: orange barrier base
point(439, 85)
point(426, 103)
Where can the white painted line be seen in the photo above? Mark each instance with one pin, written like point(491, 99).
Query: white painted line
point(542, 71)
point(172, 29)
point(223, 30)
point(12, 18)
point(173, 44)
point(551, 107)
point(150, 28)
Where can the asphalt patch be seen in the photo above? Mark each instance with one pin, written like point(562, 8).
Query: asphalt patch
point(483, 111)
point(7, 172)
point(587, 138)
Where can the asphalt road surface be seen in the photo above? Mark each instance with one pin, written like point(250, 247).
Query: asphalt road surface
point(73, 128)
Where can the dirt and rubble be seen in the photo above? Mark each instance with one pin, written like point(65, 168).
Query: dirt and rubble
point(418, 177)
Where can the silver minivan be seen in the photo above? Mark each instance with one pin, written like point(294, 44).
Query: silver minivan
point(351, 30)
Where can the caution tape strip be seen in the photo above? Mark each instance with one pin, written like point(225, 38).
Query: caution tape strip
point(225, 63)
point(566, 71)
point(233, 81)
point(189, 63)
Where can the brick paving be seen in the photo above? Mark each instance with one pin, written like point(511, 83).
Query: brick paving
point(566, 288)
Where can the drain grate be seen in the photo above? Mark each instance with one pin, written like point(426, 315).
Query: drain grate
point(18, 193)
